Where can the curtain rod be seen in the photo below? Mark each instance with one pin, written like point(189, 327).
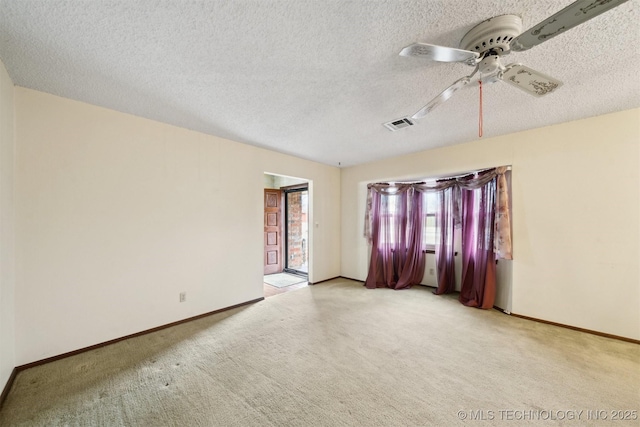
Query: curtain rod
point(425, 180)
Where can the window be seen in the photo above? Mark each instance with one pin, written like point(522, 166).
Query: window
point(430, 208)
point(389, 220)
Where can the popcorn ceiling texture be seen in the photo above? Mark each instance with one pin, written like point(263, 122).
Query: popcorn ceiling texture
point(315, 79)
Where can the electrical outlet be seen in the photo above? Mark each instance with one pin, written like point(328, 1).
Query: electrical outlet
point(431, 272)
point(183, 296)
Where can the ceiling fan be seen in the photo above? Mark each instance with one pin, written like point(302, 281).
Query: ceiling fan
point(485, 44)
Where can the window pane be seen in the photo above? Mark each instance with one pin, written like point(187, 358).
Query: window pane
point(432, 203)
point(430, 209)
point(430, 230)
point(388, 218)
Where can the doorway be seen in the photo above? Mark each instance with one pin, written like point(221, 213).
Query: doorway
point(287, 235)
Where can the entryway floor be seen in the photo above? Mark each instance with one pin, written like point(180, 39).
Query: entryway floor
point(270, 291)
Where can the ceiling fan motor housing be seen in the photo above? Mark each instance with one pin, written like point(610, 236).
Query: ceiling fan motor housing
point(494, 34)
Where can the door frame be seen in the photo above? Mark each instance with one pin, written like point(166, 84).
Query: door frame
point(285, 227)
point(313, 224)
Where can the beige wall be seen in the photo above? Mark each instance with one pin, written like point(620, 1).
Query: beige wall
point(576, 200)
point(117, 215)
point(278, 181)
point(7, 252)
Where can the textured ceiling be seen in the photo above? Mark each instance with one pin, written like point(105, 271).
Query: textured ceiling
point(311, 78)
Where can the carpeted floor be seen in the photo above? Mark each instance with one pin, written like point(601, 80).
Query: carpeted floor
point(282, 280)
point(337, 354)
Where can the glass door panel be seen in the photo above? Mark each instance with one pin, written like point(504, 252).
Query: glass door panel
point(297, 230)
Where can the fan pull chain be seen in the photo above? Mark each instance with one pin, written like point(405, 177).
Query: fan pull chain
point(480, 115)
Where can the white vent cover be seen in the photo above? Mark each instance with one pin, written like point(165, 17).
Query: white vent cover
point(398, 124)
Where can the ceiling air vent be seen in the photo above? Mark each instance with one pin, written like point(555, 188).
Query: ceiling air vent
point(398, 124)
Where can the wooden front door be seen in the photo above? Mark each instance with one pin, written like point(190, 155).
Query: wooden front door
point(272, 231)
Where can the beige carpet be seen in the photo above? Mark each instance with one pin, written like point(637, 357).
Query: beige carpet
point(337, 354)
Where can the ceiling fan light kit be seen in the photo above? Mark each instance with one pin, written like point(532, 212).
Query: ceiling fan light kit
point(485, 44)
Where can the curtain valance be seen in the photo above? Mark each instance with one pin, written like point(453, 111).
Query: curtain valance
point(470, 181)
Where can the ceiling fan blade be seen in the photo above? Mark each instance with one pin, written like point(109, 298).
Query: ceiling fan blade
point(531, 81)
point(571, 16)
point(440, 53)
point(442, 97)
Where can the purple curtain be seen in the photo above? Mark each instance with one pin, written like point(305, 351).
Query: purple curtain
point(478, 266)
point(397, 258)
point(479, 202)
point(412, 269)
point(445, 262)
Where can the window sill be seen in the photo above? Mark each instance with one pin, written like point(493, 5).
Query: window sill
point(429, 251)
point(433, 251)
